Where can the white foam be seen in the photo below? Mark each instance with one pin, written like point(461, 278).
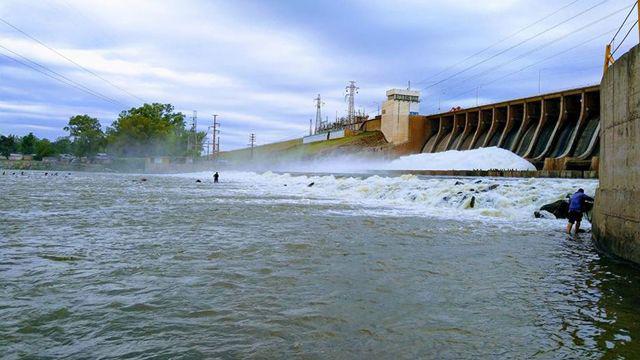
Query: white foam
point(478, 159)
point(495, 198)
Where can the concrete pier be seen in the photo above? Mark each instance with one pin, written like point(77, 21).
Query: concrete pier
point(616, 226)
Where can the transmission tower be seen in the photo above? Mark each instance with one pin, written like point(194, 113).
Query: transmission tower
point(319, 104)
point(351, 91)
point(252, 142)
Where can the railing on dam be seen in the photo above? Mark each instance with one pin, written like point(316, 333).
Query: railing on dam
point(555, 131)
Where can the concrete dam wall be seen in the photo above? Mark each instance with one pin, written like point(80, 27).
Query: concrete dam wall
point(616, 226)
point(557, 131)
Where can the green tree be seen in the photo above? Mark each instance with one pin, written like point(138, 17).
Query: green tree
point(28, 144)
point(149, 130)
point(88, 137)
point(63, 145)
point(8, 145)
point(44, 148)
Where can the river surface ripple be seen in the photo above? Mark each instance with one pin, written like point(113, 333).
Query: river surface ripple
point(104, 266)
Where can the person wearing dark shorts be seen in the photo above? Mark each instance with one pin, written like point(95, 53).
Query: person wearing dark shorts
point(576, 208)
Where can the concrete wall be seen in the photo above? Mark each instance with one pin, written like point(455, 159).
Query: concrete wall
point(395, 121)
point(616, 225)
point(418, 130)
point(371, 125)
point(315, 138)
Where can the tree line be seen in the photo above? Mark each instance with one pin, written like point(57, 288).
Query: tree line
point(149, 130)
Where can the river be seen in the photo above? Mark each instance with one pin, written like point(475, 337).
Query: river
point(267, 266)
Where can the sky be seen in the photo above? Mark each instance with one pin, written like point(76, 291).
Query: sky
point(260, 64)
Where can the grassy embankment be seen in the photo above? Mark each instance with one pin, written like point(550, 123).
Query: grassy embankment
point(366, 143)
point(117, 165)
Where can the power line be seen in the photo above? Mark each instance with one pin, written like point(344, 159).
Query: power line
point(69, 60)
point(516, 45)
point(624, 22)
point(536, 63)
point(523, 55)
point(58, 77)
point(499, 42)
point(624, 38)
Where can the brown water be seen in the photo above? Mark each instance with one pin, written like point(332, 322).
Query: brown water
point(102, 266)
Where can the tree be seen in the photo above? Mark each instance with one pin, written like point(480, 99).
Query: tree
point(28, 144)
point(44, 148)
point(150, 130)
point(63, 145)
point(8, 145)
point(88, 137)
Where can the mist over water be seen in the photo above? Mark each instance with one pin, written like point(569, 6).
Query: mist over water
point(262, 265)
point(479, 159)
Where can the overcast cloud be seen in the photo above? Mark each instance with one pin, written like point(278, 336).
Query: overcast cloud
point(260, 64)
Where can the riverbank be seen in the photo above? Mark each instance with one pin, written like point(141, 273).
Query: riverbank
point(125, 165)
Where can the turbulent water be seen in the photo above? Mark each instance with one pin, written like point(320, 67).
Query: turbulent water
point(266, 266)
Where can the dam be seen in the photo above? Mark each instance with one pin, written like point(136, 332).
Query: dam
point(556, 131)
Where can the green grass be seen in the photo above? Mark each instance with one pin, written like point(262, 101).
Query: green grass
point(296, 150)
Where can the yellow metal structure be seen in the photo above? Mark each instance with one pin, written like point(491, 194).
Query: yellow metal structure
point(608, 58)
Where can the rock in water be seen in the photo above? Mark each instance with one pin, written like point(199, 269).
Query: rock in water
point(559, 209)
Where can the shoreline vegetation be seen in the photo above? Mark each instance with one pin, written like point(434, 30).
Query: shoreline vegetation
point(147, 131)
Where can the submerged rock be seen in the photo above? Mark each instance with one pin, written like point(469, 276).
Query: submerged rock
point(559, 209)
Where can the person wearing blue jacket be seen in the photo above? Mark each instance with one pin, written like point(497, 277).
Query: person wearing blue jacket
point(576, 208)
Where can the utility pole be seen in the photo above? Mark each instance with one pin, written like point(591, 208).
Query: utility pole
point(539, 81)
point(193, 137)
point(215, 139)
point(252, 142)
point(351, 91)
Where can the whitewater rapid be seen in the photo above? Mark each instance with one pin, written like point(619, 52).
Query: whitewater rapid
point(507, 199)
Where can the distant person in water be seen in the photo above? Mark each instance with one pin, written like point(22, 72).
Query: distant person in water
point(576, 208)
point(215, 177)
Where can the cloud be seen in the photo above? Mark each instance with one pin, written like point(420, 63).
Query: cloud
point(260, 64)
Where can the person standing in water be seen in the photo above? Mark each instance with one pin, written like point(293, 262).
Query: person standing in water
point(576, 208)
point(215, 177)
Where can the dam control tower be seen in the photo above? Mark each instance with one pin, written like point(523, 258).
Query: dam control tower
point(400, 104)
